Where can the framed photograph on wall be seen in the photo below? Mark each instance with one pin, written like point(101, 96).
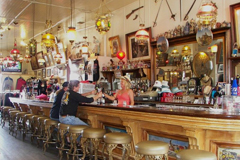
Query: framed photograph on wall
point(44, 73)
point(61, 50)
point(34, 63)
point(136, 51)
point(46, 60)
point(48, 72)
point(115, 45)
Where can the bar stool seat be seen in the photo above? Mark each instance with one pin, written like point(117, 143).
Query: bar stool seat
point(189, 154)
point(49, 123)
point(148, 149)
point(93, 135)
point(113, 139)
point(75, 131)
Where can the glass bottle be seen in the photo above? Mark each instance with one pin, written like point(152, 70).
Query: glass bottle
point(235, 50)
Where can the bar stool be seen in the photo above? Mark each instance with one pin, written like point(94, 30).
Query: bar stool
point(189, 154)
point(75, 131)
point(41, 129)
point(12, 121)
point(113, 139)
point(48, 123)
point(94, 136)
point(62, 129)
point(151, 150)
point(35, 128)
point(5, 114)
point(20, 125)
point(27, 124)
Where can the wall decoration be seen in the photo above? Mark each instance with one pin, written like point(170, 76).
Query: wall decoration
point(47, 63)
point(34, 63)
point(60, 48)
point(39, 73)
point(44, 73)
point(48, 72)
point(50, 57)
point(40, 56)
point(115, 45)
point(219, 57)
point(136, 51)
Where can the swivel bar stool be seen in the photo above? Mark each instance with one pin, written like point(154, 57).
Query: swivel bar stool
point(62, 129)
point(5, 114)
point(113, 139)
point(35, 127)
point(75, 131)
point(151, 150)
point(190, 154)
point(20, 125)
point(41, 130)
point(94, 136)
point(27, 124)
point(49, 125)
point(12, 121)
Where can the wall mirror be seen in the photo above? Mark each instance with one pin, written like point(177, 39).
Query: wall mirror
point(235, 19)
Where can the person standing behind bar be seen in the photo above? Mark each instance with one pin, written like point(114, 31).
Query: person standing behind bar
point(70, 103)
point(125, 95)
point(54, 113)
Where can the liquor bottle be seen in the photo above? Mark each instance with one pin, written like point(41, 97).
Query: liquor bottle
point(235, 50)
point(234, 91)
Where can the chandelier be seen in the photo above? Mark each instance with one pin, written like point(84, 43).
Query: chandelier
point(103, 23)
point(71, 33)
point(207, 14)
point(48, 39)
point(142, 36)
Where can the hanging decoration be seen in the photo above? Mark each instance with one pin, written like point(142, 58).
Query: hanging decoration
point(85, 44)
point(121, 55)
point(103, 23)
point(15, 53)
point(48, 39)
point(142, 36)
point(71, 33)
point(58, 58)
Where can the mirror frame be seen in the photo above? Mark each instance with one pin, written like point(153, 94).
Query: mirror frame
point(234, 32)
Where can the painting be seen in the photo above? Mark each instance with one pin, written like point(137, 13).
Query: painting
point(219, 57)
point(45, 56)
point(44, 73)
point(115, 45)
point(40, 56)
point(48, 72)
point(34, 63)
point(137, 51)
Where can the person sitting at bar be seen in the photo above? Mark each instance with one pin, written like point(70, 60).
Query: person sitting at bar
point(124, 96)
point(70, 103)
point(54, 113)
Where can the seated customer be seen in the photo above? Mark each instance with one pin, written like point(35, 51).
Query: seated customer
point(124, 95)
point(70, 103)
point(54, 113)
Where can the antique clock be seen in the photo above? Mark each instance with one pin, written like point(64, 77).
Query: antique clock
point(202, 64)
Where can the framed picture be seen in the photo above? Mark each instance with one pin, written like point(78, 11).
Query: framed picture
point(40, 56)
point(50, 58)
point(115, 45)
point(34, 63)
point(219, 56)
point(136, 51)
point(45, 56)
point(234, 16)
point(44, 73)
point(48, 72)
point(61, 50)
point(39, 74)
point(220, 68)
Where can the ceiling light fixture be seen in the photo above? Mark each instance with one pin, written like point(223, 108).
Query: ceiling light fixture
point(85, 44)
point(32, 45)
point(142, 36)
point(71, 33)
point(1, 55)
point(15, 53)
point(103, 23)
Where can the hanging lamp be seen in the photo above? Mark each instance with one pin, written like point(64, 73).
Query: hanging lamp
point(15, 53)
point(32, 45)
point(85, 44)
point(1, 55)
point(142, 36)
point(71, 33)
point(103, 23)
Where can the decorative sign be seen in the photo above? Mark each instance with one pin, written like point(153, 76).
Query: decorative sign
point(118, 73)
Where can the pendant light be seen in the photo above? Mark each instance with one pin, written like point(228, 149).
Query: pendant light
point(103, 23)
point(48, 39)
point(85, 45)
point(15, 53)
point(71, 33)
point(1, 57)
point(32, 45)
point(142, 36)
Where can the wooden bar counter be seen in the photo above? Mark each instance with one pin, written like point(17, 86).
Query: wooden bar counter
point(183, 127)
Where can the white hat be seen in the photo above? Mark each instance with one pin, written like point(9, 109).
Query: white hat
point(176, 90)
point(126, 78)
point(157, 84)
point(165, 84)
point(166, 90)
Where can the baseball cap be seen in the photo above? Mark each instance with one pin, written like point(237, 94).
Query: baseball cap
point(65, 84)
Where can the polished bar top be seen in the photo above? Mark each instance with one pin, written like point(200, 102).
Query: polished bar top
point(161, 108)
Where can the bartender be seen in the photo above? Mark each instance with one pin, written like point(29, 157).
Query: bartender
point(125, 95)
